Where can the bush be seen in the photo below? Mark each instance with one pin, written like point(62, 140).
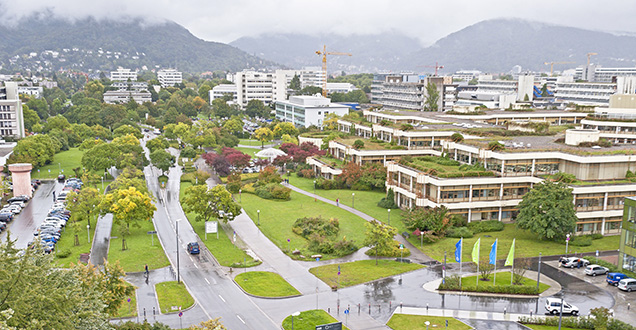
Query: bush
point(344, 247)
point(361, 186)
point(273, 191)
point(63, 253)
point(392, 252)
point(596, 236)
point(358, 144)
point(486, 226)
point(459, 232)
point(327, 184)
point(188, 152)
point(514, 289)
point(306, 173)
point(581, 241)
point(307, 226)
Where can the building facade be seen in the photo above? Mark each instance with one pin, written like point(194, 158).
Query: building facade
point(123, 75)
point(220, 91)
point(627, 248)
point(306, 111)
point(121, 97)
point(169, 77)
point(11, 119)
point(409, 91)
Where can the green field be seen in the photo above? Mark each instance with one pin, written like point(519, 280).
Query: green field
point(308, 320)
point(503, 279)
point(265, 284)
point(277, 218)
point(416, 322)
point(225, 252)
point(362, 271)
point(140, 251)
point(63, 160)
point(128, 309)
point(67, 242)
point(250, 151)
point(250, 142)
point(171, 294)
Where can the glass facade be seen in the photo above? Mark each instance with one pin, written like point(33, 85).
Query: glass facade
point(627, 250)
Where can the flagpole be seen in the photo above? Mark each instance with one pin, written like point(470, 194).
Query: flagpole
point(494, 281)
point(461, 251)
point(477, 280)
point(512, 270)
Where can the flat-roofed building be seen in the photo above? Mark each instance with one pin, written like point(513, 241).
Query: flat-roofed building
point(169, 77)
point(306, 110)
point(122, 74)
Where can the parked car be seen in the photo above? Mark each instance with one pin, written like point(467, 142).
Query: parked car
point(61, 177)
point(18, 203)
point(614, 278)
point(21, 198)
point(627, 284)
point(553, 306)
point(6, 216)
point(193, 248)
point(594, 270)
point(3, 226)
point(572, 262)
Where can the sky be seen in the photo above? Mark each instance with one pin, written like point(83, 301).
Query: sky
point(426, 20)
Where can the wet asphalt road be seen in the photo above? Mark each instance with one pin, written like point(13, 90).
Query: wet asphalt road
point(24, 224)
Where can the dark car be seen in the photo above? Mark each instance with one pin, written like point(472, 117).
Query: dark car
point(6, 217)
point(3, 226)
point(20, 198)
point(193, 248)
point(61, 177)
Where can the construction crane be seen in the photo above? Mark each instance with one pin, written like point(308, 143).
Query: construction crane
point(324, 54)
point(588, 57)
point(436, 66)
point(553, 63)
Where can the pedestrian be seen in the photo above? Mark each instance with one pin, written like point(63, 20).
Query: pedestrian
point(338, 202)
point(146, 270)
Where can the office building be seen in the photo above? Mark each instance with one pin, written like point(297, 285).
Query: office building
point(123, 96)
point(583, 93)
point(599, 74)
point(11, 119)
point(169, 77)
point(306, 111)
point(123, 75)
point(220, 91)
point(627, 247)
point(409, 91)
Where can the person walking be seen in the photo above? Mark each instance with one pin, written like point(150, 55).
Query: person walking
point(146, 270)
point(338, 202)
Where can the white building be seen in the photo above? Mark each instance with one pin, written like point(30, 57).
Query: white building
point(583, 93)
point(599, 74)
point(34, 91)
point(114, 97)
point(219, 91)
point(123, 75)
point(308, 110)
point(340, 88)
point(408, 91)
point(466, 75)
point(169, 77)
point(11, 119)
point(132, 85)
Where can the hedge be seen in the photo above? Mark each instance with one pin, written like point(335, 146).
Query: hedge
point(452, 284)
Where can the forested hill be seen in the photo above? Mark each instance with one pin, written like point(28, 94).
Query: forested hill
point(104, 45)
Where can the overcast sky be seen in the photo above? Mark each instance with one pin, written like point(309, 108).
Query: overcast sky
point(426, 20)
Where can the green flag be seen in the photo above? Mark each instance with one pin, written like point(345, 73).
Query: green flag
point(475, 253)
point(511, 255)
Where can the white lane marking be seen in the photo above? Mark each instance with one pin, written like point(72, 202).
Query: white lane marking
point(195, 265)
point(207, 281)
point(240, 318)
point(221, 298)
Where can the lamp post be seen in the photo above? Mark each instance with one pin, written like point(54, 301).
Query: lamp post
point(88, 230)
point(240, 196)
point(259, 216)
point(60, 167)
point(389, 210)
point(314, 187)
point(294, 314)
point(567, 241)
point(353, 200)
point(561, 311)
point(177, 242)
point(102, 183)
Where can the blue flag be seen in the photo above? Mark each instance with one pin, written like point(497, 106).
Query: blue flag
point(458, 251)
point(493, 253)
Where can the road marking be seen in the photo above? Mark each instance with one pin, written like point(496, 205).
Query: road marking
point(207, 281)
point(224, 300)
point(240, 318)
point(195, 265)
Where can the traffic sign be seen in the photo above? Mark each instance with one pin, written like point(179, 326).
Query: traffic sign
point(330, 326)
point(346, 311)
point(401, 246)
point(211, 227)
point(180, 314)
point(151, 232)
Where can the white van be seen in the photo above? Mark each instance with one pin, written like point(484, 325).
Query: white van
point(553, 306)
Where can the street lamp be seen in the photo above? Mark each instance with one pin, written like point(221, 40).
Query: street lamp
point(177, 241)
point(88, 230)
point(314, 187)
point(240, 196)
point(389, 210)
point(294, 314)
point(427, 324)
point(567, 241)
point(353, 200)
point(561, 311)
point(259, 216)
point(60, 166)
point(102, 183)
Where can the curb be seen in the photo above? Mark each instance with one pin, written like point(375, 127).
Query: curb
point(263, 297)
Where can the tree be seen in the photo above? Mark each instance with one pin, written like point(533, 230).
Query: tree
point(162, 160)
point(331, 121)
point(101, 156)
point(30, 117)
point(110, 281)
point(82, 206)
point(233, 125)
point(124, 130)
point(58, 122)
point(210, 203)
point(129, 206)
point(295, 83)
point(433, 220)
point(285, 128)
point(351, 173)
point(485, 269)
point(286, 138)
point(204, 92)
point(432, 97)
point(310, 90)
point(256, 108)
point(547, 210)
point(213, 324)
point(94, 89)
point(37, 150)
point(601, 318)
point(379, 236)
point(158, 143)
point(263, 134)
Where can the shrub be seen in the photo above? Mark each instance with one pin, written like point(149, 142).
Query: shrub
point(358, 144)
point(63, 253)
point(307, 226)
point(581, 241)
point(361, 186)
point(630, 174)
point(344, 247)
point(188, 152)
point(596, 236)
point(486, 226)
point(457, 137)
point(582, 322)
point(495, 146)
point(306, 173)
point(515, 289)
point(273, 191)
point(392, 252)
point(459, 232)
point(326, 184)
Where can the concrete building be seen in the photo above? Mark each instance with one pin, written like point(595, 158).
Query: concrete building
point(308, 110)
point(583, 93)
point(340, 88)
point(169, 77)
point(121, 97)
point(123, 75)
point(408, 91)
point(498, 93)
point(32, 91)
point(599, 74)
point(219, 91)
point(11, 119)
point(627, 247)
point(466, 75)
point(130, 85)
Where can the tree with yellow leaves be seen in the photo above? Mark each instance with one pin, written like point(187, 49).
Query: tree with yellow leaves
point(128, 206)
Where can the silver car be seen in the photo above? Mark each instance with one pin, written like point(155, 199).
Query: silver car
point(594, 270)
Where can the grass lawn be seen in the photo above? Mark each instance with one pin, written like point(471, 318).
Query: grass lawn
point(277, 218)
point(65, 160)
point(128, 309)
point(227, 253)
point(503, 279)
point(265, 284)
point(416, 322)
point(140, 251)
point(547, 327)
point(308, 320)
point(67, 242)
point(250, 142)
point(171, 294)
point(527, 245)
point(250, 151)
point(353, 273)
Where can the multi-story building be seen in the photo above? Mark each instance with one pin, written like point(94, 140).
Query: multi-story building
point(123, 75)
point(583, 93)
point(466, 75)
point(115, 97)
point(11, 119)
point(499, 93)
point(220, 91)
point(604, 75)
point(306, 111)
point(169, 77)
point(340, 88)
point(33, 91)
point(130, 85)
point(627, 247)
point(409, 92)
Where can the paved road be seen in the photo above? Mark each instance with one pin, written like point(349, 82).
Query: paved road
point(24, 224)
point(101, 240)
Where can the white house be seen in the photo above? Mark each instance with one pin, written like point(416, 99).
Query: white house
point(308, 110)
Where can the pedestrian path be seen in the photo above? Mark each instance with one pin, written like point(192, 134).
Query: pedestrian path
point(462, 314)
point(101, 240)
point(146, 295)
point(416, 254)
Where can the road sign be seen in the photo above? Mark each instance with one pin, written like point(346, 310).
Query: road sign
point(211, 227)
point(180, 314)
point(401, 246)
point(152, 232)
point(346, 311)
point(330, 326)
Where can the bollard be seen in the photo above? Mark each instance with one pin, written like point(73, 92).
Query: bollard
point(530, 313)
point(400, 307)
point(379, 307)
point(358, 308)
point(389, 304)
point(369, 309)
point(329, 310)
point(427, 307)
point(338, 310)
point(145, 314)
point(504, 310)
point(628, 306)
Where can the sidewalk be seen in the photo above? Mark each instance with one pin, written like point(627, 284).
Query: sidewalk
point(462, 314)
point(416, 254)
point(146, 295)
point(101, 240)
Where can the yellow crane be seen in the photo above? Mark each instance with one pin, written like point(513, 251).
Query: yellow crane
point(588, 57)
point(324, 54)
point(553, 63)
